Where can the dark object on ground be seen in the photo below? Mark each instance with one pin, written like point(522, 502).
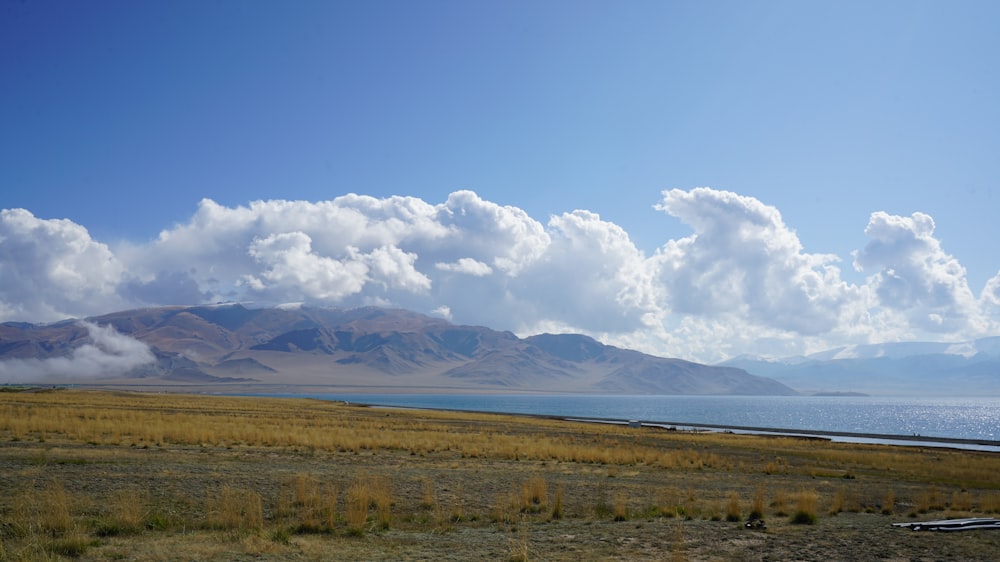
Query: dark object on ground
point(756, 524)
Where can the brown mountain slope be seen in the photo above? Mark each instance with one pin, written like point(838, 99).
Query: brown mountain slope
point(369, 347)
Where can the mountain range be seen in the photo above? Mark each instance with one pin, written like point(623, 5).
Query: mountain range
point(970, 368)
point(235, 347)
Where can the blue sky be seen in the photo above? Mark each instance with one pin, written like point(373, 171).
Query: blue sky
point(121, 117)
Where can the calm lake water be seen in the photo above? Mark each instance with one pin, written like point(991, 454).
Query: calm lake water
point(966, 418)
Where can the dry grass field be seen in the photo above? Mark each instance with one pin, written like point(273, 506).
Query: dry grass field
point(127, 476)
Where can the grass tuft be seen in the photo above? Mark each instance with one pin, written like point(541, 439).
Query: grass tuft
point(72, 545)
point(236, 510)
point(757, 504)
point(733, 507)
point(619, 507)
point(805, 508)
point(557, 503)
point(889, 503)
point(534, 495)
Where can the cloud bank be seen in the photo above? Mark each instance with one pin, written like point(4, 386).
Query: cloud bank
point(108, 353)
point(741, 282)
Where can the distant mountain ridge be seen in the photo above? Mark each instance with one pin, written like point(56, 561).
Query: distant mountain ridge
point(970, 368)
point(370, 348)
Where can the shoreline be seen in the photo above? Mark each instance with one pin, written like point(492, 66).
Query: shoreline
point(877, 438)
point(960, 443)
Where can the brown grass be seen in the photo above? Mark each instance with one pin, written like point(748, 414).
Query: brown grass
point(557, 504)
point(733, 511)
point(805, 508)
point(114, 475)
point(990, 503)
point(235, 509)
point(757, 504)
point(620, 510)
point(889, 503)
point(534, 495)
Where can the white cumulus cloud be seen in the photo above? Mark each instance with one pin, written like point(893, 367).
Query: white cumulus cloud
point(743, 263)
point(740, 282)
point(51, 269)
point(591, 277)
point(989, 302)
point(292, 269)
point(501, 236)
point(467, 266)
point(913, 277)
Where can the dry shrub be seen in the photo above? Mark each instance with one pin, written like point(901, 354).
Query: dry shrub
point(619, 507)
point(519, 551)
point(757, 504)
point(457, 511)
point(20, 521)
point(668, 502)
point(429, 494)
point(928, 500)
point(714, 510)
point(777, 466)
point(961, 501)
point(283, 508)
point(43, 512)
point(365, 494)
point(805, 508)
point(889, 503)
point(921, 504)
point(382, 498)
point(126, 514)
point(990, 503)
point(129, 508)
point(72, 544)
point(358, 500)
point(259, 547)
point(733, 507)
point(534, 495)
point(506, 507)
point(779, 503)
point(236, 509)
point(557, 504)
point(678, 550)
point(852, 501)
point(839, 500)
point(328, 506)
point(315, 505)
point(935, 497)
point(693, 506)
point(305, 487)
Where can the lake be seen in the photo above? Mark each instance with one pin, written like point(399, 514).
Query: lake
point(962, 418)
